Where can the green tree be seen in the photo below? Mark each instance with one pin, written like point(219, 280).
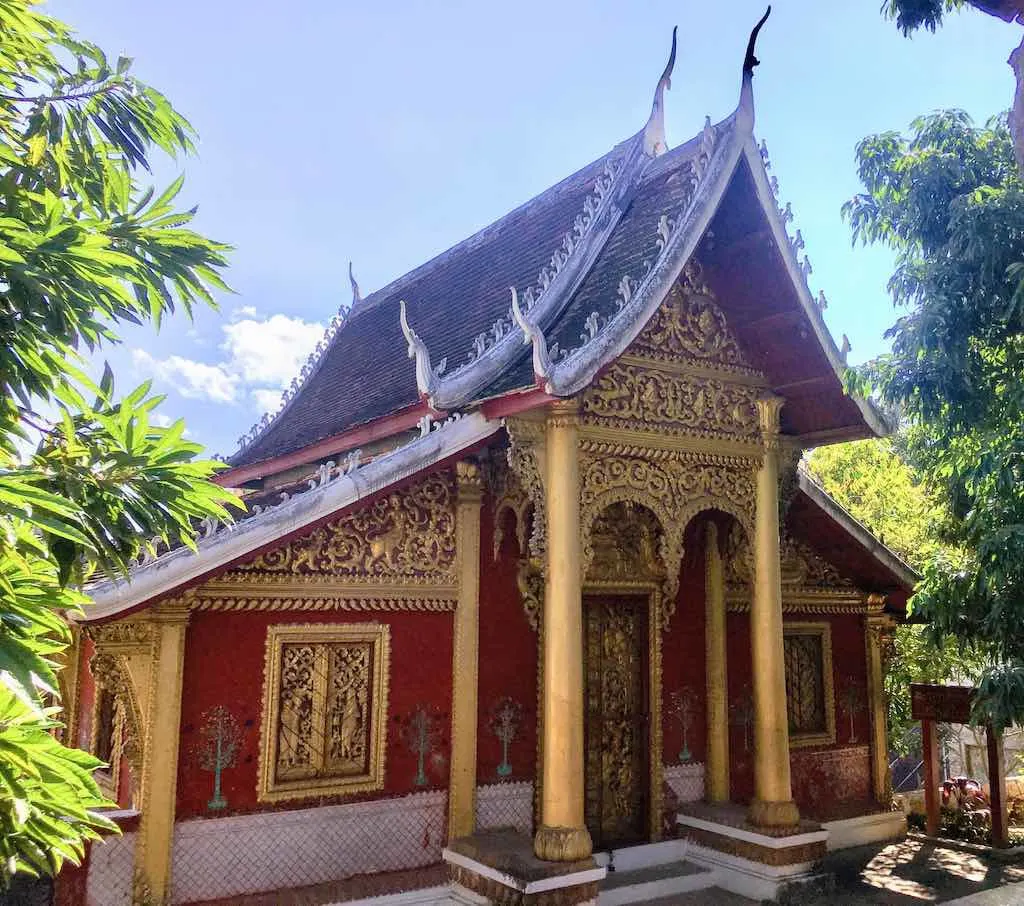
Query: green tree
point(947, 199)
point(911, 15)
point(85, 477)
point(871, 480)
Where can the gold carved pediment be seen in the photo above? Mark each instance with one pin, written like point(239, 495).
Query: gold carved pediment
point(408, 535)
point(633, 397)
point(690, 327)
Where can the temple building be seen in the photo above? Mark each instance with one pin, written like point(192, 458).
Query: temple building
point(531, 601)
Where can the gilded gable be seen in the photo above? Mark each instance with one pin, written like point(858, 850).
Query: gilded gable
point(689, 327)
point(409, 535)
point(684, 374)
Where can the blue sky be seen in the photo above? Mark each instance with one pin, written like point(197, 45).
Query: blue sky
point(386, 132)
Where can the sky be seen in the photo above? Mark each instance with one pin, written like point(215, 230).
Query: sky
point(384, 133)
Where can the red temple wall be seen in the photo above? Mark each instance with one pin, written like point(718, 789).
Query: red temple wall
point(224, 665)
point(508, 656)
point(823, 777)
point(683, 658)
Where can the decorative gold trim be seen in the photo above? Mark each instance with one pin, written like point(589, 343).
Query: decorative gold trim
point(810, 601)
point(718, 372)
point(379, 635)
point(604, 439)
point(375, 600)
point(824, 631)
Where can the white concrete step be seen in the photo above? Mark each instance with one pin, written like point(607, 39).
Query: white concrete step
point(653, 882)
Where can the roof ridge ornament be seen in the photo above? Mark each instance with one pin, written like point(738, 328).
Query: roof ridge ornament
point(426, 377)
point(534, 335)
point(654, 131)
point(356, 296)
point(746, 108)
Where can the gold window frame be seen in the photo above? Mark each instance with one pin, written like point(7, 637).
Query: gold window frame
point(270, 789)
point(828, 736)
point(107, 779)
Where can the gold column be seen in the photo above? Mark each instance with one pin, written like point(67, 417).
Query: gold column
point(465, 655)
point(717, 784)
point(773, 804)
point(877, 629)
point(562, 835)
point(158, 791)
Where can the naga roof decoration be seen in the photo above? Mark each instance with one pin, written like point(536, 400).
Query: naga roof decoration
point(574, 274)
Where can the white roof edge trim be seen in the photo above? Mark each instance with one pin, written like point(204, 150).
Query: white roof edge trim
point(883, 554)
point(767, 198)
point(577, 370)
point(182, 565)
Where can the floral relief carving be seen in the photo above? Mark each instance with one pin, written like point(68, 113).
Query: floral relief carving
point(689, 326)
point(627, 396)
point(674, 487)
point(407, 535)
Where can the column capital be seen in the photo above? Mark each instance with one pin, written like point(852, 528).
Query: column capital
point(173, 610)
point(469, 480)
point(564, 413)
point(769, 409)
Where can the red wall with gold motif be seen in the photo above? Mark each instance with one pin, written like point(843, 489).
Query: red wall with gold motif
point(508, 656)
point(224, 664)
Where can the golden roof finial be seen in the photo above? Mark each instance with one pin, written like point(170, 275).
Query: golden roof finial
point(654, 131)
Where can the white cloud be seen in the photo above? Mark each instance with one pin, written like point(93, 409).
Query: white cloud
point(260, 359)
point(271, 352)
point(195, 380)
point(266, 400)
point(160, 420)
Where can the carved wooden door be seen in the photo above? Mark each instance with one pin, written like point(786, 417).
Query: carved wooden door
point(616, 712)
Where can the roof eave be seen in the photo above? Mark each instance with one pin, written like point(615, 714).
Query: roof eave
point(766, 198)
point(904, 574)
point(183, 567)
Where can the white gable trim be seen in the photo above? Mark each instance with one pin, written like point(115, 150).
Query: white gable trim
point(181, 566)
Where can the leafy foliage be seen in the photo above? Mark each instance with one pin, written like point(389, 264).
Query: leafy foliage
point(948, 199)
point(85, 477)
point(911, 15)
point(875, 484)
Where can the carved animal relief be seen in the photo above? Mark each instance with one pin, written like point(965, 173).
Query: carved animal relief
point(407, 536)
point(325, 710)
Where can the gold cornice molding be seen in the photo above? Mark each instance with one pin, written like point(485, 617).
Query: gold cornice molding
point(298, 597)
point(807, 600)
point(606, 440)
point(738, 375)
point(269, 585)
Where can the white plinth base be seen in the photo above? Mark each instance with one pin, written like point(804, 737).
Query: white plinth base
point(865, 829)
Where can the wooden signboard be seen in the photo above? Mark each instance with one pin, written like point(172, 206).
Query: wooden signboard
point(948, 704)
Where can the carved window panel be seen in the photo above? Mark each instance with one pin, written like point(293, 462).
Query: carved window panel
point(810, 703)
point(324, 710)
